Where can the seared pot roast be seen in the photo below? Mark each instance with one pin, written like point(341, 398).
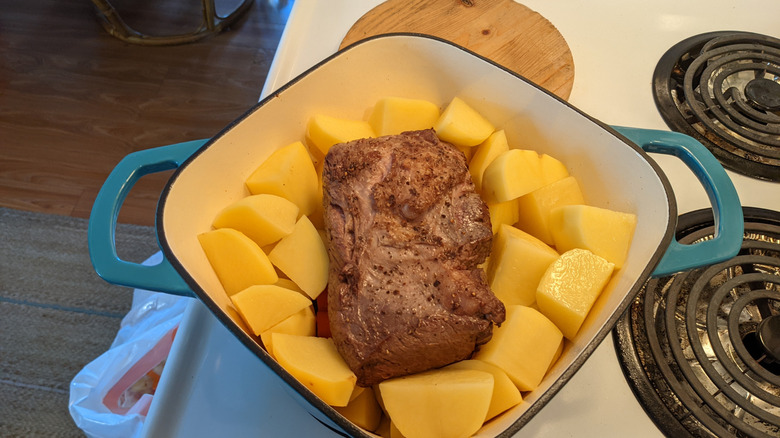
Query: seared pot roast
point(406, 232)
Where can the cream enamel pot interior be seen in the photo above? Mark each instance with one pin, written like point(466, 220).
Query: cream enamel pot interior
point(610, 163)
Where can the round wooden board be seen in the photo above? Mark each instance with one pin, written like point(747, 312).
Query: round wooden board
point(503, 31)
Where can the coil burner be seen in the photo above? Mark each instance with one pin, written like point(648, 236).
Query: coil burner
point(723, 88)
point(701, 348)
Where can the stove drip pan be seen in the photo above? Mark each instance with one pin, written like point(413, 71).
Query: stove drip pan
point(723, 88)
point(698, 348)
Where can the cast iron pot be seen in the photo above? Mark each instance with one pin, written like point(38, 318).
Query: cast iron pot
point(611, 164)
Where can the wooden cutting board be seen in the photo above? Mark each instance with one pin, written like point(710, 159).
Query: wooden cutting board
point(503, 31)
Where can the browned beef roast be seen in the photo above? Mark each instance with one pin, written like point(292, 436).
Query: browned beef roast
point(407, 231)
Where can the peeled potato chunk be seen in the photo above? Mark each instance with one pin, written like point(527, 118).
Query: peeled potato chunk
point(317, 217)
point(324, 131)
point(357, 391)
point(569, 288)
point(557, 355)
point(484, 154)
point(394, 432)
point(517, 263)
point(445, 403)
point(462, 125)
point(502, 213)
point(302, 256)
point(264, 306)
point(524, 346)
point(289, 284)
point(383, 429)
point(468, 151)
point(288, 172)
point(510, 175)
point(263, 218)
point(394, 115)
point(363, 410)
point(602, 231)
point(316, 363)
point(236, 259)
point(535, 207)
point(302, 323)
point(505, 393)
point(552, 169)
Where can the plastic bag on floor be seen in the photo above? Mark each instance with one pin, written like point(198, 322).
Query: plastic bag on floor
point(111, 395)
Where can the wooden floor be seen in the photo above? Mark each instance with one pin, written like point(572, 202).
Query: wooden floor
point(74, 101)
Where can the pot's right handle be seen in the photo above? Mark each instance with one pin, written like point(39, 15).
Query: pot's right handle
point(729, 223)
point(102, 221)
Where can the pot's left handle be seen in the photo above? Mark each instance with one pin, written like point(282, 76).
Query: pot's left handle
point(102, 221)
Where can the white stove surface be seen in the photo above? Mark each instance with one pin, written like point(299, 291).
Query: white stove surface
point(214, 386)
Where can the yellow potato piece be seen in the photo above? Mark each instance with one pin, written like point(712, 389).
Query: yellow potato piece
point(236, 259)
point(288, 172)
point(302, 323)
point(316, 363)
point(317, 218)
point(505, 393)
point(467, 151)
point(264, 306)
point(394, 115)
point(484, 154)
point(569, 288)
point(552, 169)
point(557, 354)
point(445, 403)
point(503, 213)
point(363, 410)
point(511, 174)
point(517, 263)
point(263, 218)
point(323, 131)
point(535, 207)
point(289, 284)
point(462, 125)
point(383, 430)
point(303, 258)
point(604, 232)
point(524, 346)
point(394, 432)
point(356, 392)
